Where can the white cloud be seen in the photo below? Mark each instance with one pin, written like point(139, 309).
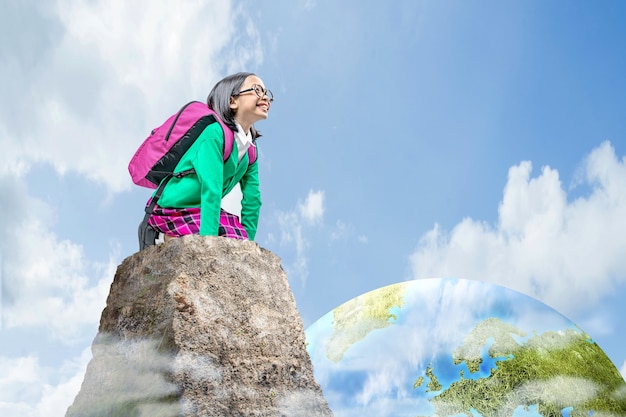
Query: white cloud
point(340, 230)
point(46, 282)
point(114, 71)
point(623, 370)
point(567, 254)
point(294, 224)
point(563, 391)
point(292, 236)
point(125, 372)
point(141, 53)
point(312, 210)
point(18, 378)
point(57, 398)
point(28, 389)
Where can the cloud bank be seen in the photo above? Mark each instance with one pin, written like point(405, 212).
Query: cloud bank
point(566, 253)
point(109, 71)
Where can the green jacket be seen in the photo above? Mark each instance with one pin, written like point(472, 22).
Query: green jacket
point(214, 179)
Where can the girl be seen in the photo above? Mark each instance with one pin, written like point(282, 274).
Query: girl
point(192, 204)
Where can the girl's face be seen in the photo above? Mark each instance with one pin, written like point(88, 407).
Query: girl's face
point(252, 103)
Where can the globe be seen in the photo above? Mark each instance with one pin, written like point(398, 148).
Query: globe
point(453, 347)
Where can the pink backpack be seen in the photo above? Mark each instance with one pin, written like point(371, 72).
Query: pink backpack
point(154, 162)
point(160, 152)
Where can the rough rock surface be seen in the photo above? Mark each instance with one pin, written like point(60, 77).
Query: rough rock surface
point(200, 326)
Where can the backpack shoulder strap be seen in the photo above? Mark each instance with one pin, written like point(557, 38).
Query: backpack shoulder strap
point(229, 136)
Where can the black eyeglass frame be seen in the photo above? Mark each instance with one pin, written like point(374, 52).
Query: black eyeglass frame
point(259, 91)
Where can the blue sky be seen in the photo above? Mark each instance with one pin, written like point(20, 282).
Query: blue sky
point(409, 139)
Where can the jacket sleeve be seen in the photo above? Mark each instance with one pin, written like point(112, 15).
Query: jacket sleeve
point(209, 167)
point(251, 199)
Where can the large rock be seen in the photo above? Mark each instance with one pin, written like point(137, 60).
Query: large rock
point(200, 326)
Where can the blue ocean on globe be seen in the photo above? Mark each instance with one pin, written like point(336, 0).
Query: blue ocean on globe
point(452, 347)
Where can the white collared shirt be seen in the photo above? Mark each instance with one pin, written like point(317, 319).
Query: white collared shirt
point(243, 141)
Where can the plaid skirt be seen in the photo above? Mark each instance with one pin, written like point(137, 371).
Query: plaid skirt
point(186, 221)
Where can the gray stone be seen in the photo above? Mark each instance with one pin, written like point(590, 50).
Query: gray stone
point(200, 326)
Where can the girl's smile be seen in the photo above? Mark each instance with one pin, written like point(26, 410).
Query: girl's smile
point(252, 103)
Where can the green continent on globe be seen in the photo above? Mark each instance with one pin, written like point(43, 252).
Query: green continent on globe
point(434, 384)
point(550, 371)
point(355, 319)
point(491, 328)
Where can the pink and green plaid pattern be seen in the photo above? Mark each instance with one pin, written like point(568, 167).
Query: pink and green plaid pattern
point(186, 221)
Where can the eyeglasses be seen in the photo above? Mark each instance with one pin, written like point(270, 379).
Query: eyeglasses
point(260, 92)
